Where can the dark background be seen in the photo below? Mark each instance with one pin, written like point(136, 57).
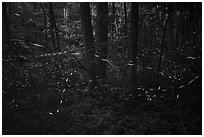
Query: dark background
point(102, 68)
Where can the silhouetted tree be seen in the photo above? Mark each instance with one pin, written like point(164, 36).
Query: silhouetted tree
point(166, 11)
point(125, 14)
point(53, 28)
point(89, 41)
point(45, 23)
point(5, 24)
point(113, 22)
point(102, 38)
point(134, 22)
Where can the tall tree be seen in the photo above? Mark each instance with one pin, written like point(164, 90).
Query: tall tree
point(89, 41)
point(51, 15)
point(5, 24)
point(56, 33)
point(53, 28)
point(9, 13)
point(102, 38)
point(194, 33)
point(190, 28)
point(182, 29)
point(172, 31)
point(140, 21)
point(134, 24)
point(125, 14)
point(177, 37)
point(166, 11)
point(45, 23)
point(113, 22)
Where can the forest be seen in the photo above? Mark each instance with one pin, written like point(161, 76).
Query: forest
point(101, 68)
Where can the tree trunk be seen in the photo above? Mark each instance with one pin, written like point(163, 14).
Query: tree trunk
point(172, 42)
point(102, 38)
point(45, 23)
point(165, 23)
point(134, 24)
point(23, 9)
point(88, 39)
point(5, 25)
point(140, 22)
point(113, 23)
point(125, 14)
point(177, 37)
point(56, 32)
point(54, 48)
point(190, 30)
point(194, 33)
point(9, 13)
point(182, 30)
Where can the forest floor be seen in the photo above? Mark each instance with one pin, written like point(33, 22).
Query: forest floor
point(27, 115)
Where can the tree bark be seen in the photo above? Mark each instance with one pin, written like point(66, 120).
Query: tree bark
point(172, 42)
point(52, 27)
point(113, 23)
point(177, 37)
point(88, 38)
point(125, 14)
point(45, 23)
point(194, 33)
point(56, 32)
point(190, 30)
point(9, 13)
point(5, 25)
point(23, 10)
point(140, 22)
point(134, 24)
point(182, 30)
point(102, 38)
point(165, 23)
